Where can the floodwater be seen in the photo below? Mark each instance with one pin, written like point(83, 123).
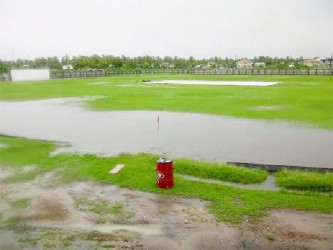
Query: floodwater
point(203, 137)
point(268, 184)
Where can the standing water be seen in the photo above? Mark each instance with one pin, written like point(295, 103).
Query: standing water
point(203, 137)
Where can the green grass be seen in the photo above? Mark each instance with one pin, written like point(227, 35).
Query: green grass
point(305, 180)
point(30, 240)
point(8, 222)
point(19, 152)
point(20, 204)
point(301, 99)
point(220, 171)
point(270, 237)
point(227, 203)
point(30, 151)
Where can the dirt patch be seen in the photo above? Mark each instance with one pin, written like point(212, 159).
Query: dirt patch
point(4, 173)
point(85, 215)
point(47, 209)
point(290, 229)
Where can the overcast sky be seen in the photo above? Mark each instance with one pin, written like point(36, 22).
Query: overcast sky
point(183, 28)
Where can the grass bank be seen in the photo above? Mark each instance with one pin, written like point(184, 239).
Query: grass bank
point(220, 171)
point(304, 99)
point(227, 203)
point(305, 180)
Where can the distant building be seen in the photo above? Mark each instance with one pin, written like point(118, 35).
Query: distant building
point(316, 62)
point(328, 62)
point(210, 65)
point(67, 67)
point(244, 64)
point(259, 64)
point(206, 66)
point(167, 65)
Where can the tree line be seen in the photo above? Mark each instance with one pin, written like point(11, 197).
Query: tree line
point(109, 62)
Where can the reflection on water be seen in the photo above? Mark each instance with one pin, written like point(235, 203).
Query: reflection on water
point(268, 184)
point(203, 137)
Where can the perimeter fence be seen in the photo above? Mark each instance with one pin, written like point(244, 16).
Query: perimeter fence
point(90, 74)
point(193, 72)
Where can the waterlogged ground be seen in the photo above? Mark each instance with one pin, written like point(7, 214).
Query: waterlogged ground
point(203, 137)
point(44, 214)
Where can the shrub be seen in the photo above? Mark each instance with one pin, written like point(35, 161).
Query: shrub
point(305, 180)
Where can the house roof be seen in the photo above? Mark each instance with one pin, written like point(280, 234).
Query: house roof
point(244, 61)
point(311, 60)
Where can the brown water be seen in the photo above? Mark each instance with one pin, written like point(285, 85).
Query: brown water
point(204, 137)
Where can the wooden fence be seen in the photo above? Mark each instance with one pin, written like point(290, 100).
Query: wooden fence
point(80, 74)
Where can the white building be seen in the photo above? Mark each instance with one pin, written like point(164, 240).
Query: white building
point(167, 65)
point(244, 64)
point(259, 64)
point(328, 62)
point(67, 67)
point(316, 62)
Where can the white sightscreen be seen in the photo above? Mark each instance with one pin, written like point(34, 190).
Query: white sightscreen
point(29, 74)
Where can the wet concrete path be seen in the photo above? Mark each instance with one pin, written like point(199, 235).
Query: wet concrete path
point(204, 137)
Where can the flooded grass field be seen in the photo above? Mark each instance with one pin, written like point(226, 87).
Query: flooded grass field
point(57, 217)
point(72, 202)
point(203, 137)
point(299, 99)
point(51, 200)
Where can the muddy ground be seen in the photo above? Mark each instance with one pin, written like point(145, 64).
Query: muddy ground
point(44, 214)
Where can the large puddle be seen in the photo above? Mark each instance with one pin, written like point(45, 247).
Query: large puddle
point(204, 137)
point(268, 184)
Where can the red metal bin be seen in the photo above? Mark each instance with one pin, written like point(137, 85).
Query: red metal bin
point(164, 170)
